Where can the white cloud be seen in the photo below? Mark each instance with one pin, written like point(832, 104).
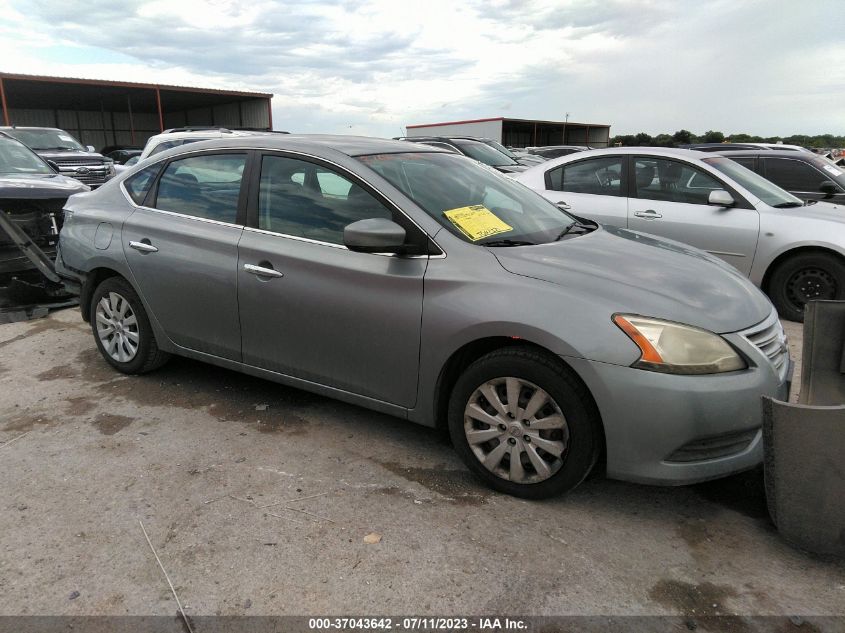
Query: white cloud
point(375, 66)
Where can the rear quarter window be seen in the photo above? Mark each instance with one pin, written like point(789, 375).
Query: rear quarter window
point(139, 184)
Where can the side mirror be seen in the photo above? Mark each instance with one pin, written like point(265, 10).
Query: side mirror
point(375, 235)
point(721, 198)
point(90, 148)
point(54, 165)
point(828, 188)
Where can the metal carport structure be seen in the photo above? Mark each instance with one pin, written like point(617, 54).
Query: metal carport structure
point(102, 113)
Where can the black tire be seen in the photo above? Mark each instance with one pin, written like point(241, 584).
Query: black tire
point(568, 393)
point(804, 277)
point(148, 356)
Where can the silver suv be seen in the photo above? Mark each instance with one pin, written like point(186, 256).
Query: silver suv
point(419, 283)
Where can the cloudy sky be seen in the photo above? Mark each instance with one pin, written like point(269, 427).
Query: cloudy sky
point(373, 66)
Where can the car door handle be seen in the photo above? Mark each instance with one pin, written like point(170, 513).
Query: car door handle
point(648, 214)
point(260, 271)
point(144, 247)
point(560, 204)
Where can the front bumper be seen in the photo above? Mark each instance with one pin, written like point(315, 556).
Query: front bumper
point(654, 423)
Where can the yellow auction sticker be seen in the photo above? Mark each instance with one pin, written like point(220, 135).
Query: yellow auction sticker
point(476, 222)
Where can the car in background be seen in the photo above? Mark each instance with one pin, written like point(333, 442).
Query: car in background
point(721, 147)
point(475, 149)
point(32, 195)
point(556, 151)
point(120, 156)
point(129, 163)
point(804, 174)
point(527, 159)
point(415, 282)
point(793, 251)
point(175, 137)
point(70, 157)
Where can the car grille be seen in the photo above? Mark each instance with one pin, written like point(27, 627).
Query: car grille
point(91, 171)
point(771, 340)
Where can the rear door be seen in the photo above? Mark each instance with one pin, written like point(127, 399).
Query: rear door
point(182, 250)
point(593, 188)
point(311, 308)
point(669, 198)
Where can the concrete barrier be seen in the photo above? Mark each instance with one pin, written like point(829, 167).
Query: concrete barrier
point(805, 443)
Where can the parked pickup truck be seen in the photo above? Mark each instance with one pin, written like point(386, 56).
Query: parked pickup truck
point(65, 153)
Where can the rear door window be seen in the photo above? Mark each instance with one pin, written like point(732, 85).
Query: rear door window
point(204, 186)
point(139, 185)
point(600, 176)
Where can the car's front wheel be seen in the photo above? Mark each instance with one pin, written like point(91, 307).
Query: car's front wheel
point(122, 330)
point(524, 423)
point(806, 277)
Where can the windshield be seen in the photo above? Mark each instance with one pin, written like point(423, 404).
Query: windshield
point(484, 153)
point(831, 170)
point(764, 189)
point(17, 159)
point(502, 149)
point(45, 138)
point(474, 202)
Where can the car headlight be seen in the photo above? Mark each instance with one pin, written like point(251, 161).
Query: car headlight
point(673, 348)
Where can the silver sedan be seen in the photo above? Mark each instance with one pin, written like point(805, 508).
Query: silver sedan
point(419, 283)
point(794, 251)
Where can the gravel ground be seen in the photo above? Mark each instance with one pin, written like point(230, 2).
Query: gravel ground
point(258, 499)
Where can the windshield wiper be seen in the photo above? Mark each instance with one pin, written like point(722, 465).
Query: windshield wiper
point(570, 227)
point(508, 242)
point(788, 205)
point(54, 149)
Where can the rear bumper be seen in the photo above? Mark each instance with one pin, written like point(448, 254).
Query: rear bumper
point(673, 430)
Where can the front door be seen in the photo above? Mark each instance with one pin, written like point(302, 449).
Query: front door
point(670, 199)
point(312, 309)
point(183, 252)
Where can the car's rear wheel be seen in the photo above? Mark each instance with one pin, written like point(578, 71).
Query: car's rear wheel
point(806, 277)
point(524, 423)
point(122, 330)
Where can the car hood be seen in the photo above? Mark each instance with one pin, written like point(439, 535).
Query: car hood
point(511, 169)
point(818, 211)
point(35, 186)
point(60, 155)
point(636, 273)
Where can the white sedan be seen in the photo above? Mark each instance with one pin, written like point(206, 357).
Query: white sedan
point(794, 251)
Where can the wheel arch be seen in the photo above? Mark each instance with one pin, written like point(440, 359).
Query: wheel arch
point(792, 252)
point(93, 279)
point(467, 354)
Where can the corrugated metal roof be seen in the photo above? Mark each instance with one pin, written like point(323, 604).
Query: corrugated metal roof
point(130, 84)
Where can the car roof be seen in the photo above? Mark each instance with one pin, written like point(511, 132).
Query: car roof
point(770, 153)
point(651, 151)
point(349, 145)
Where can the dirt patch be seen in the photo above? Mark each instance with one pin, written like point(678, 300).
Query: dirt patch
point(704, 602)
point(61, 372)
point(186, 384)
point(282, 422)
point(26, 422)
point(42, 325)
point(694, 532)
point(109, 424)
point(457, 485)
point(79, 405)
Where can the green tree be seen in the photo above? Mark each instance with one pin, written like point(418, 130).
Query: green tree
point(644, 139)
point(663, 140)
point(682, 137)
point(711, 136)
